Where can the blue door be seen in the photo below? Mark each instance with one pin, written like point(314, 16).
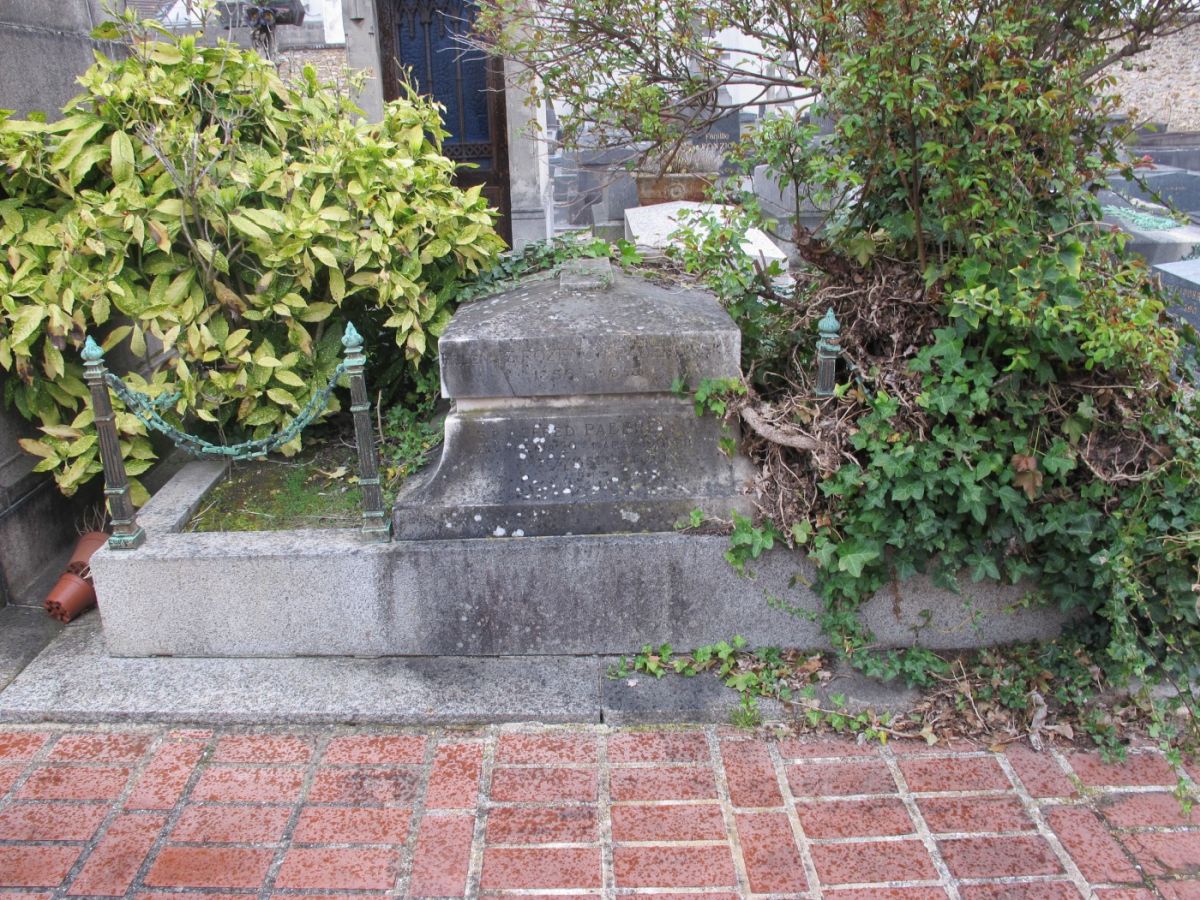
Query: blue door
point(426, 37)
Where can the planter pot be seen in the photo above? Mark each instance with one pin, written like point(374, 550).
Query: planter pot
point(691, 186)
point(84, 548)
point(70, 597)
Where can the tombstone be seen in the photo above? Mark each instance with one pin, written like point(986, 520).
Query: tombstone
point(1182, 281)
point(1179, 188)
point(566, 418)
point(779, 204)
point(651, 227)
point(1154, 234)
point(1169, 148)
point(723, 134)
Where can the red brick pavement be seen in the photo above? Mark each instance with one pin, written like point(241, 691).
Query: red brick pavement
point(576, 812)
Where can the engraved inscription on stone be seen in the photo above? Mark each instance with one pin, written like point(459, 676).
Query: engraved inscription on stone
point(609, 467)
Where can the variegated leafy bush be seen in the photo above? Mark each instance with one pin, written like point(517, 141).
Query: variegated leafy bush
point(191, 202)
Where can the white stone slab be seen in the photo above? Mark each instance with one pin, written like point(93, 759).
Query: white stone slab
point(651, 227)
point(1185, 269)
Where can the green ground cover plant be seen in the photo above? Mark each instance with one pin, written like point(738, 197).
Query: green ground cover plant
point(1012, 400)
point(192, 205)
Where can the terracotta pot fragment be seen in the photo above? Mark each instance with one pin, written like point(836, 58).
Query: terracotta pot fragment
point(70, 597)
point(87, 544)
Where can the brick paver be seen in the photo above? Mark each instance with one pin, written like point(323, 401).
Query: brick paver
point(577, 812)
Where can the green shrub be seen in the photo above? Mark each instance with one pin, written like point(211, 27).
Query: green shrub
point(1013, 400)
point(192, 200)
point(1008, 402)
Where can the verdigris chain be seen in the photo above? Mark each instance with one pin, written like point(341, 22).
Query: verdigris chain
point(128, 535)
point(147, 409)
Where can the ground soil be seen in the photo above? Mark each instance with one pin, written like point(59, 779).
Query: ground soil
point(314, 489)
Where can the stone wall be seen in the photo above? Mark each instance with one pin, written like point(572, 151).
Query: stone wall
point(330, 63)
point(44, 47)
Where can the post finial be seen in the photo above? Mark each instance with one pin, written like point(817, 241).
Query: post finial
point(351, 339)
point(92, 351)
point(829, 325)
point(829, 348)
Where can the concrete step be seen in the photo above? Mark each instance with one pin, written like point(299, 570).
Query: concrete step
point(75, 681)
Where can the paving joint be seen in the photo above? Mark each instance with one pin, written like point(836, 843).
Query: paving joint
point(603, 813)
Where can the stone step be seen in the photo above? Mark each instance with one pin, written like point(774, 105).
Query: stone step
point(329, 592)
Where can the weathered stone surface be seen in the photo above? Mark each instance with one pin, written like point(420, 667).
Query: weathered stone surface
point(24, 632)
point(75, 680)
point(1155, 245)
point(540, 340)
point(564, 421)
point(590, 467)
point(1177, 187)
point(651, 227)
point(1182, 281)
point(586, 275)
point(329, 593)
point(780, 204)
point(639, 699)
point(44, 47)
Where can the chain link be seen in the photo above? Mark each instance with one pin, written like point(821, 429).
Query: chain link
point(149, 412)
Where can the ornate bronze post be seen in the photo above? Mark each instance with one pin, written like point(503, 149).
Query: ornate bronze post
point(829, 348)
point(376, 522)
point(126, 533)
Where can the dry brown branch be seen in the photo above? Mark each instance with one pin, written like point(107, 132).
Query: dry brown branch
point(788, 438)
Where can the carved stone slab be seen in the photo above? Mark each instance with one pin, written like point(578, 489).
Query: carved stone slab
point(565, 420)
point(541, 340)
point(589, 467)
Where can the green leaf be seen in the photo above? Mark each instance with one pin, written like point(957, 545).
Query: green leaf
point(316, 312)
point(290, 378)
point(325, 255)
point(337, 285)
point(282, 397)
point(85, 161)
point(248, 228)
point(25, 323)
point(164, 54)
point(853, 562)
point(269, 219)
point(122, 157)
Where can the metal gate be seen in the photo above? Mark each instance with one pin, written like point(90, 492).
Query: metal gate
point(424, 36)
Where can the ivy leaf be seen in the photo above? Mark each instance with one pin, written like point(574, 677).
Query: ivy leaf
point(855, 560)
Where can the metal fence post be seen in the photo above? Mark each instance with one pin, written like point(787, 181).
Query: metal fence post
point(829, 348)
point(377, 524)
point(126, 533)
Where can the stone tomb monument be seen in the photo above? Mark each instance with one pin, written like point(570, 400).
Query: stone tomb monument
point(546, 528)
point(566, 418)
